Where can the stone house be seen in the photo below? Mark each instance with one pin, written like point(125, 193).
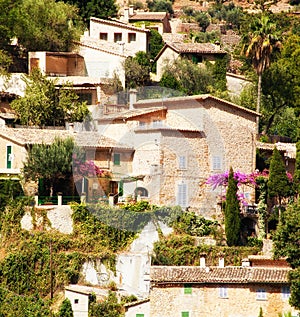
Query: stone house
point(159, 21)
point(103, 151)
point(196, 52)
point(189, 291)
point(178, 143)
point(139, 308)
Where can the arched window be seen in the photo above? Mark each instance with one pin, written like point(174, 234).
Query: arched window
point(141, 191)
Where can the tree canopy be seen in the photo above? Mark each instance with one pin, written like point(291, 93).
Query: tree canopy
point(45, 25)
point(50, 162)
point(44, 104)
point(95, 8)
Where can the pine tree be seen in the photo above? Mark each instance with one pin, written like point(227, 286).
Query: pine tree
point(278, 184)
point(232, 212)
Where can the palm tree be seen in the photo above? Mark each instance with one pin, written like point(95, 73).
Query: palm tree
point(262, 42)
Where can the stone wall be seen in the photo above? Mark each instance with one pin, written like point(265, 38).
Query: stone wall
point(205, 301)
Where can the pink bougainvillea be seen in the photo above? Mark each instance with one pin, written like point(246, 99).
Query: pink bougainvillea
point(85, 168)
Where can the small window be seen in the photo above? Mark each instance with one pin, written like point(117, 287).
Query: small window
point(76, 301)
point(185, 314)
point(182, 195)
point(141, 191)
point(131, 37)
point(286, 292)
point(142, 124)
point(9, 156)
point(187, 289)
point(157, 123)
point(261, 294)
point(223, 292)
point(182, 162)
point(103, 36)
point(117, 37)
point(216, 163)
point(117, 160)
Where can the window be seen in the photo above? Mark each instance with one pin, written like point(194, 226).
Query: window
point(131, 37)
point(85, 96)
point(141, 191)
point(9, 156)
point(187, 289)
point(117, 159)
point(223, 292)
point(117, 37)
point(182, 195)
point(216, 163)
point(261, 294)
point(142, 124)
point(157, 123)
point(185, 314)
point(76, 301)
point(182, 162)
point(103, 36)
point(286, 292)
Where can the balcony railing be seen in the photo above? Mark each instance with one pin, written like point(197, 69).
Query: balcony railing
point(250, 210)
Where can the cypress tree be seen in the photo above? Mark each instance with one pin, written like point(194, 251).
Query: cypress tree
point(278, 184)
point(232, 212)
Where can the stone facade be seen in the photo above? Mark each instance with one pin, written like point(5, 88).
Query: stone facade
point(222, 291)
point(180, 142)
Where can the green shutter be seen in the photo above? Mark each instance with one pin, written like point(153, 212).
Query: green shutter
point(139, 315)
point(187, 289)
point(185, 314)
point(116, 159)
point(8, 156)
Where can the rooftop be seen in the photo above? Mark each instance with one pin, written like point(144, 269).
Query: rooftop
point(29, 136)
point(105, 46)
point(228, 274)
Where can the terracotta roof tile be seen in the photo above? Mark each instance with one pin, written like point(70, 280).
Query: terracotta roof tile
point(288, 148)
point(229, 274)
point(154, 16)
point(207, 48)
point(104, 46)
point(130, 113)
point(28, 136)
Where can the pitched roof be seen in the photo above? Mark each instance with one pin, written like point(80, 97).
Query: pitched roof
point(288, 148)
point(153, 16)
point(104, 46)
point(119, 24)
point(197, 48)
point(96, 140)
point(228, 274)
point(129, 114)
point(197, 98)
point(28, 136)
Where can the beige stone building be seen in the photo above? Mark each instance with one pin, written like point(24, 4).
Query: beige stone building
point(196, 52)
point(178, 143)
point(221, 291)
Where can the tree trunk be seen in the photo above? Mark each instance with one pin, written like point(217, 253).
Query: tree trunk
point(258, 101)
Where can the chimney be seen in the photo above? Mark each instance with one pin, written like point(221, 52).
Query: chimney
point(221, 261)
point(132, 98)
point(246, 263)
point(131, 10)
point(217, 46)
point(202, 260)
point(126, 14)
